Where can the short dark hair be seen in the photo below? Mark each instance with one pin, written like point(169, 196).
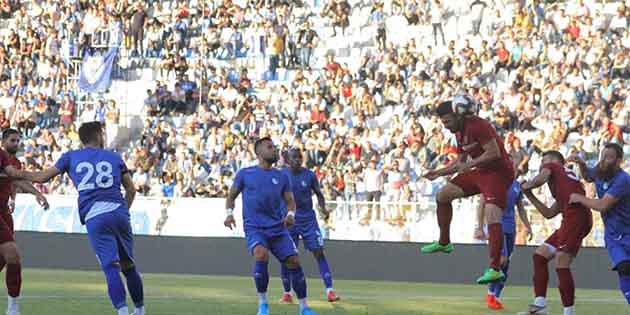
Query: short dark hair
point(259, 142)
point(618, 149)
point(444, 108)
point(89, 131)
point(555, 154)
point(9, 132)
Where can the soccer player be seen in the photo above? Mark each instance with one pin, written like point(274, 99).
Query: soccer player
point(265, 192)
point(508, 222)
point(566, 241)
point(8, 188)
point(304, 183)
point(98, 175)
point(613, 190)
point(483, 167)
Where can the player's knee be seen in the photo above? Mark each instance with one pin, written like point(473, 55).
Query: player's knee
point(10, 253)
point(126, 265)
point(443, 196)
point(261, 253)
point(563, 260)
point(623, 268)
point(318, 253)
point(292, 262)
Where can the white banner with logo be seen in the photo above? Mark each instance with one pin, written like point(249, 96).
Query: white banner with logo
point(203, 217)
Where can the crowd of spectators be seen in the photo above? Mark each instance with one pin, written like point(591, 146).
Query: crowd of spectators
point(549, 75)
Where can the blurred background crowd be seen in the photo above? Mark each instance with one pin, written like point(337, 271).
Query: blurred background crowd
point(351, 82)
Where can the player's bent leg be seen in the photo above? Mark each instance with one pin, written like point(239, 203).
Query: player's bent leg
point(134, 285)
point(623, 269)
point(286, 298)
point(298, 281)
point(444, 212)
point(495, 244)
point(261, 277)
point(11, 256)
point(566, 285)
point(324, 271)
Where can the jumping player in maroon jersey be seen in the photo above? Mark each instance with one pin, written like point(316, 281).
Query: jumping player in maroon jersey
point(483, 167)
point(566, 241)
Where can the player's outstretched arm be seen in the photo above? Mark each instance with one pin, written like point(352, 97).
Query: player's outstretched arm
point(600, 204)
point(37, 177)
point(547, 212)
point(27, 187)
point(230, 202)
point(522, 214)
point(491, 152)
point(130, 189)
point(290, 202)
point(537, 181)
point(584, 171)
point(321, 202)
point(479, 234)
point(449, 170)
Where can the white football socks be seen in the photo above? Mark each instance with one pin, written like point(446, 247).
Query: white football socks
point(569, 310)
point(123, 311)
point(12, 303)
point(539, 301)
point(303, 303)
point(262, 298)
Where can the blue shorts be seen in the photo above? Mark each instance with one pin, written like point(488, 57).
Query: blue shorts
point(111, 237)
point(309, 231)
point(276, 239)
point(508, 245)
point(618, 248)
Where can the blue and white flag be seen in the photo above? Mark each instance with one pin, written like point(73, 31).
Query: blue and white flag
point(96, 72)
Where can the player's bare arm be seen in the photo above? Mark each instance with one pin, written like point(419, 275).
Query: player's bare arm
point(537, 181)
point(600, 204)
point(230, 202)
point(491, 152)
point(321, 202)
point(547, 212)
point(522, 214)
point(290, 202)
point(26, 187)
point(130, 189)
point(479, 234)
point(36, 177)
point(449, 170)
point(582, 166)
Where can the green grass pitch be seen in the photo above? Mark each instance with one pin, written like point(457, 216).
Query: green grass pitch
point(60, 292)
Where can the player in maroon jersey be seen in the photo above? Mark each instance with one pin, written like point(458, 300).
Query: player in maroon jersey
point(566, 241)
point(483, 167)
point(10, 254)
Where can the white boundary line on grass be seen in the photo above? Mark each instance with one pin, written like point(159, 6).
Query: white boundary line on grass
point(346, 298)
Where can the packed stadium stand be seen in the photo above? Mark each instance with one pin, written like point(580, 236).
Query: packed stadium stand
point(353, 83)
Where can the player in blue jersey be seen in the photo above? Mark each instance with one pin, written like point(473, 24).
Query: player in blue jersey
point(97, 175)
point(266, 190)
point(613, 192)
point(508, 222)
point(304, 183)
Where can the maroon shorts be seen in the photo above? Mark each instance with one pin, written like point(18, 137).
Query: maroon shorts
point(575, 226)
point(492, 186)
point(6, 227)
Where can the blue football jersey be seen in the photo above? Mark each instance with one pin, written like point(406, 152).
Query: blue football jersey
point(514, 196)
point(616, 219)
point(303, 184)
point(263, 195)
point(97, 176)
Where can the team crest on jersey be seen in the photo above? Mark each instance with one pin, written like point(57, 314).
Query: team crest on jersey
point(275, 181)
point(304, 184)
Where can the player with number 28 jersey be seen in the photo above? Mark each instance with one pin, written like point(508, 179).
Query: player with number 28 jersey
point(96, 174)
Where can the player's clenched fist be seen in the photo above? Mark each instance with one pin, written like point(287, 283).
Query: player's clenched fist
point(289, 220)
point(230, 222)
